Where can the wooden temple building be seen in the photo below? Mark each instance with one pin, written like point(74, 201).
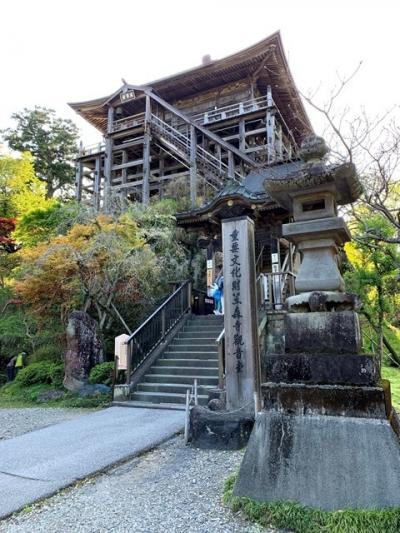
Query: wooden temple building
point(203, 127)
point(215, 133)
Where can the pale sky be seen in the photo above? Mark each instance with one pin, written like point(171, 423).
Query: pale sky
point(54, 52)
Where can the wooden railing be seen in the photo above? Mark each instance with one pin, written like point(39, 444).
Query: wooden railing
point(155, 328)
point(232, 110)
point(128, 122)
point(206, 161)
point(91, 149)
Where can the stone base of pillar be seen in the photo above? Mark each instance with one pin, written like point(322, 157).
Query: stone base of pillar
point(335, 333)
point(326, 462)
point(219, 430)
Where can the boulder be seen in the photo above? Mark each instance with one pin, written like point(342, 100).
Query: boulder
point(84, 350)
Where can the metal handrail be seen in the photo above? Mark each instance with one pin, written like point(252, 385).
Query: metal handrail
point(220, 342)
point(155, 328)
point(274, 295)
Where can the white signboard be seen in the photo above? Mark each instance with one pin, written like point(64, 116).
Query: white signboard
point(121, 351)
point(128, 95)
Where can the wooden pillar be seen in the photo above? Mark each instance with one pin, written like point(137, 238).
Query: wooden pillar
point(97, 178)
point(78, 181)
point(231, 166)
point(161, 164)
point(193, 165)
point(108, 160)
point(270, 129)
point(218, 154)
point(124, 170)
point(240, 319)
point(146, 153)
point(279, 143)
point(242, 135)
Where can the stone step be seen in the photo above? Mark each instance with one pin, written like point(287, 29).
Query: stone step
point(180, 362)
point(205, 323)
point(165, 397)
point(210, 316)
point(205, 327)
point(190, 354)
point(209, 371)
point(203, 344)
point(179, 388)
point(207, 335)
point(186, 380)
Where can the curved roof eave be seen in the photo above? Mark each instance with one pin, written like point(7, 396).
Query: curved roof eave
point(88, 109)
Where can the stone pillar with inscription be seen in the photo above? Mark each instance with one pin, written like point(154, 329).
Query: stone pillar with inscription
point(241, 346)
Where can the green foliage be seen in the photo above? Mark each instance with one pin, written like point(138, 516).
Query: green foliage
point(16, 395)
point(52, 141)
point(299, 519)
point(41, 372)
point(21, 190)
point(56, 218)
point(374, 268)
point(99, 400)
point(47, 352)
point(102, 373)
point(393, 375)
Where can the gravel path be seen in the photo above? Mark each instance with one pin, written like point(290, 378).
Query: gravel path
point(172, 489)
point(14, 422)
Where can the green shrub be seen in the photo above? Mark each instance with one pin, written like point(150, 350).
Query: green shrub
point(46, 352)
point(57, 375)
point(101, 400)
point(45, 372)
point(102, 373)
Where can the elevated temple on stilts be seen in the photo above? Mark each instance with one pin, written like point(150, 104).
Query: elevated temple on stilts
point(193, 132)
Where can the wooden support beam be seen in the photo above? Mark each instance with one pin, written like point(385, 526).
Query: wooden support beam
point(124, 169)
point(270, 135)
point(78, 181)
point(123, 146)
point(218, 154)
point(97, 180)
point(146, 153)
point(193, 165)
point(279, 143)
point(231, 166)
point(130, 164)
point(108, 161)
point(242, 135)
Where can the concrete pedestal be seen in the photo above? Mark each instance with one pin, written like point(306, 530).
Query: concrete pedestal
point(328, 462)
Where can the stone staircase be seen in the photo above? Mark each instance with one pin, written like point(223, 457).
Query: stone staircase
point(191, 355)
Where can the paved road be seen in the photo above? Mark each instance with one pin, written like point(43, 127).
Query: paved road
point(37, 464)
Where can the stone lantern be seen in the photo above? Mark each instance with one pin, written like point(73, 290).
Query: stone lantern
point(325, 409)
point(312, 195)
